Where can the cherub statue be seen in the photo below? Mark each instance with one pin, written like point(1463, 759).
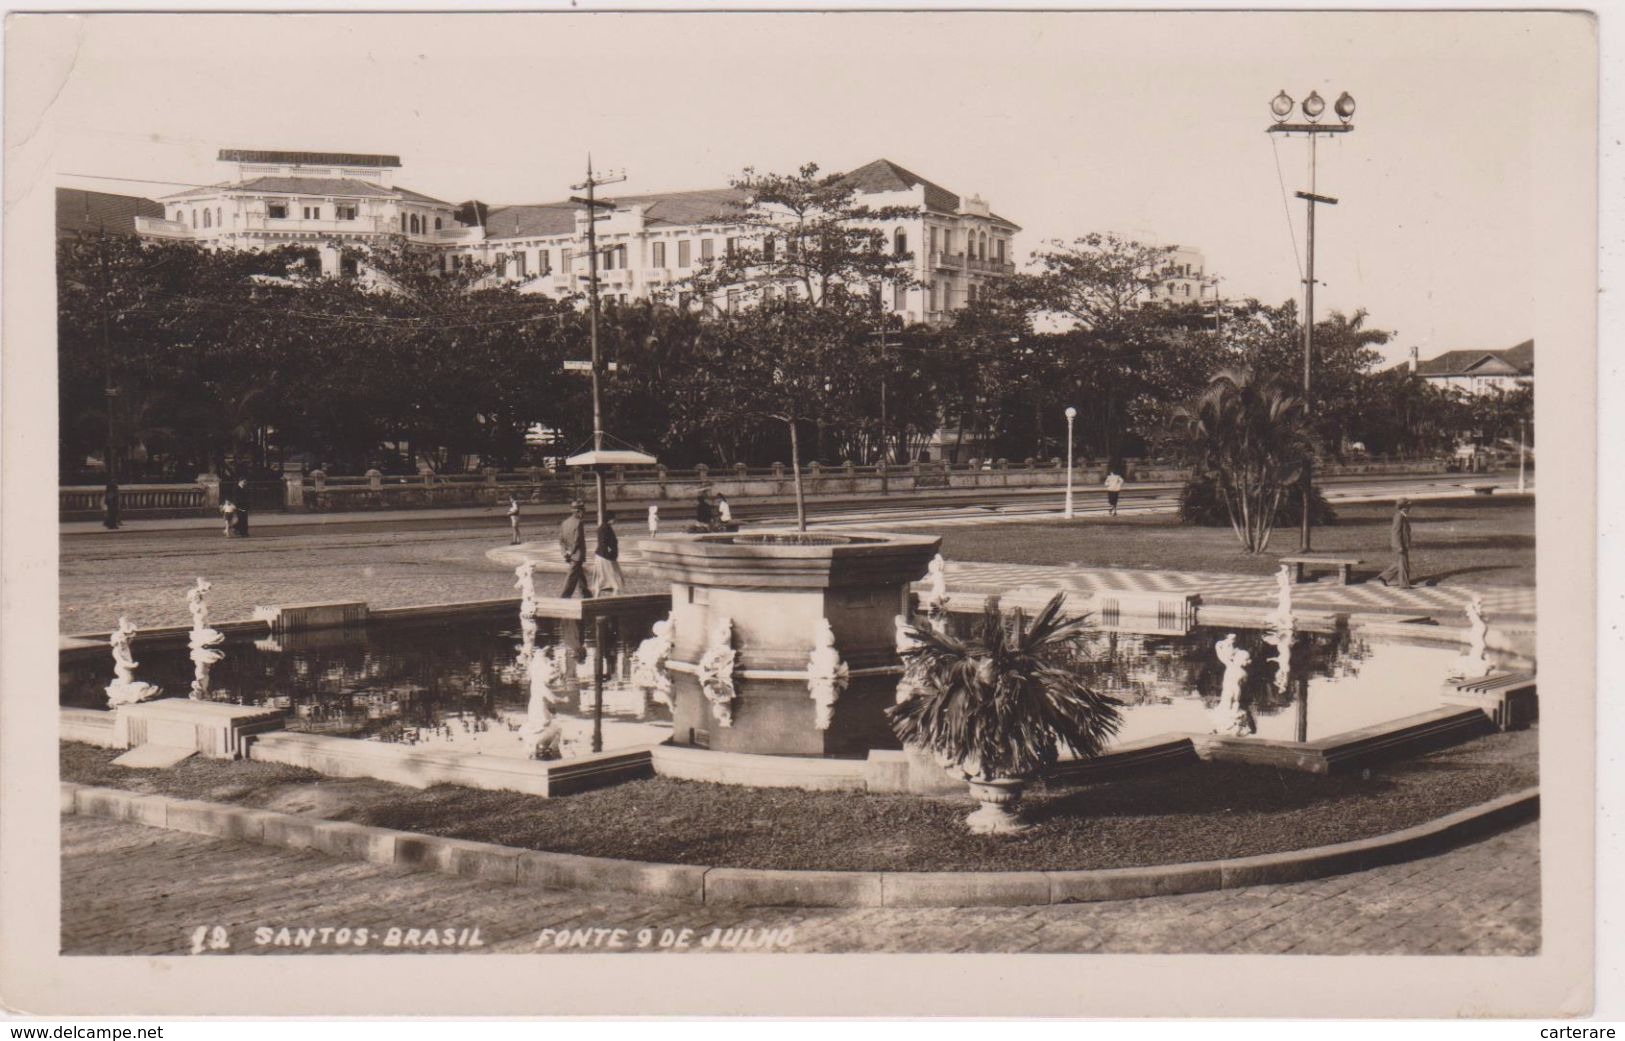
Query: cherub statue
point(1230, 717)
point(1475, 663)
point(827, 674)
point(201, 635)
point(525, 582)
point(125, 688)
point(1283, 596)
point(716, 671)
point(649, 662)
point(936, 597)
point(542, 731)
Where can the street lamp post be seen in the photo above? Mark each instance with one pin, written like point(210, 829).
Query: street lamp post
point(1313, 108)
point(1521, 442)
point(1071, 414)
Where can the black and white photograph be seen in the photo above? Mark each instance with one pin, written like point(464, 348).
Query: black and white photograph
point(870, 484)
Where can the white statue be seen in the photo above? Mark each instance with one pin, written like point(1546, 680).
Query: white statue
point(126, 689)
point(1283, 596)
point(936, 597)
point(525, 576)
point(202, 659)
point(908, 683)
point(542, 731)
point(827, 674)
point(1229, 716)
point(1475, 663)
point(201, 635)
point(649, 662)
point(716, 671)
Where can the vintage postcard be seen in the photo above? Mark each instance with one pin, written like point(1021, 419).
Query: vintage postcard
point(1020, 505)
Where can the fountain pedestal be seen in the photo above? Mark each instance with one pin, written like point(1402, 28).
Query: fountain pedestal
point(767, 593)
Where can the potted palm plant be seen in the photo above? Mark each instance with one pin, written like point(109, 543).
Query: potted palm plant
point(999, 706)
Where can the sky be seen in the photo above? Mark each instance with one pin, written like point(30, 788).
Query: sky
point(1148, 124)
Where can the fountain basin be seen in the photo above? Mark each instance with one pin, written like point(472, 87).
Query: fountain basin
point(771, 591)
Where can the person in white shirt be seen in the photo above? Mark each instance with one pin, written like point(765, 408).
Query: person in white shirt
point(1114, 489)
point(724, 514)
point(654, 521)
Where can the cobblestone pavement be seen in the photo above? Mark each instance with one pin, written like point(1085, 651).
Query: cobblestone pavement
point(128, 889)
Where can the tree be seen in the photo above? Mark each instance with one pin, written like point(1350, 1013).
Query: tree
point(1249, 435)
point(1123, 357)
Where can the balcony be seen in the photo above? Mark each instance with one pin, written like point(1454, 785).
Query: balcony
point(300, 226)
point(947, 261)
point(992, 267)
point(159, 228)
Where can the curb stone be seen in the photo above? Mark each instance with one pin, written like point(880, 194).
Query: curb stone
point(698, 884)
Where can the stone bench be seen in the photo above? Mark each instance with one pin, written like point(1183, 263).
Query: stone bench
point(1344, 565)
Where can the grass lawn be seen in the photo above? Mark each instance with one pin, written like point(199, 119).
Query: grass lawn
point(1203, 812)
point(1476, 541)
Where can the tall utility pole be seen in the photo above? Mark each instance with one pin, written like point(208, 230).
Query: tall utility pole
point(1313, 108)
point(594, 204)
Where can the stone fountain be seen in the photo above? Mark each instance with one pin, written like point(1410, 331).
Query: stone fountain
point(784, 643)
point(202, 640)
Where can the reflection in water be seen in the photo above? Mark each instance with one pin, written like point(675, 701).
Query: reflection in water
point(459, 685)
point(1332, 682)
point(463, 684)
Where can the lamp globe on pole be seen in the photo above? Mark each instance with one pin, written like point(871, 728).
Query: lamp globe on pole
point(1071, 414)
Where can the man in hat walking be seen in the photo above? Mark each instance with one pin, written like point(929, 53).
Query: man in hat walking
point(573, 545)
point(1398, 574)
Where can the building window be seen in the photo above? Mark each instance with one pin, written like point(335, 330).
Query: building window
point(519, 264)
point(313, 213)
point(682, 253)
point(732, 245)
point(344, 213)
point(899, 297)
point(276, 210)
point(770, 248)
point(657, 254)
point(947, 296)
point(542, 266)
point(970, 295)
point(900, 243)
point(1000, 245)
point(932, 301)
point(931, 234)
point(348, 266)
point(437, 224)
point(219, 217)
point(707, 249)
point(180, 216)
point(208, 219)
point(981, 247)
point(502, 265)
point(620, 256)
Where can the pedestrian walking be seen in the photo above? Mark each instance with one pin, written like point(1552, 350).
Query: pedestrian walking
point(513, 521)
point(725, 513)
point(110, 517)
point(702, 510)
point(573, 546)
point(606, 559)
point(241, 501)
point(1114, 490)
point(1398, 574)
point(654, 521)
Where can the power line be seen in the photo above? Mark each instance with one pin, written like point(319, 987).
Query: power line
point(1292, 233)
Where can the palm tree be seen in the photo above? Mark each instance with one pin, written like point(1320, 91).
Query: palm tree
point(1250, 435)
point(999, 705)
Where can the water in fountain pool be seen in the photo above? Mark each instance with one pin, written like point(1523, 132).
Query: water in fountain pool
point(458, 684)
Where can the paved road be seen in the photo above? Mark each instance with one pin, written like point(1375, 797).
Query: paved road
point(128, 889)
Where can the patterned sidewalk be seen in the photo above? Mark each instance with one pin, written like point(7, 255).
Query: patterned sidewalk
point(1325, 595)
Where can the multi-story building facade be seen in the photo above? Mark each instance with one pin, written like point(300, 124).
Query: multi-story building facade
point(647, 244)
point(322, 199)
point(650, 244)
point(1478, 371)
point(1184, 279)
